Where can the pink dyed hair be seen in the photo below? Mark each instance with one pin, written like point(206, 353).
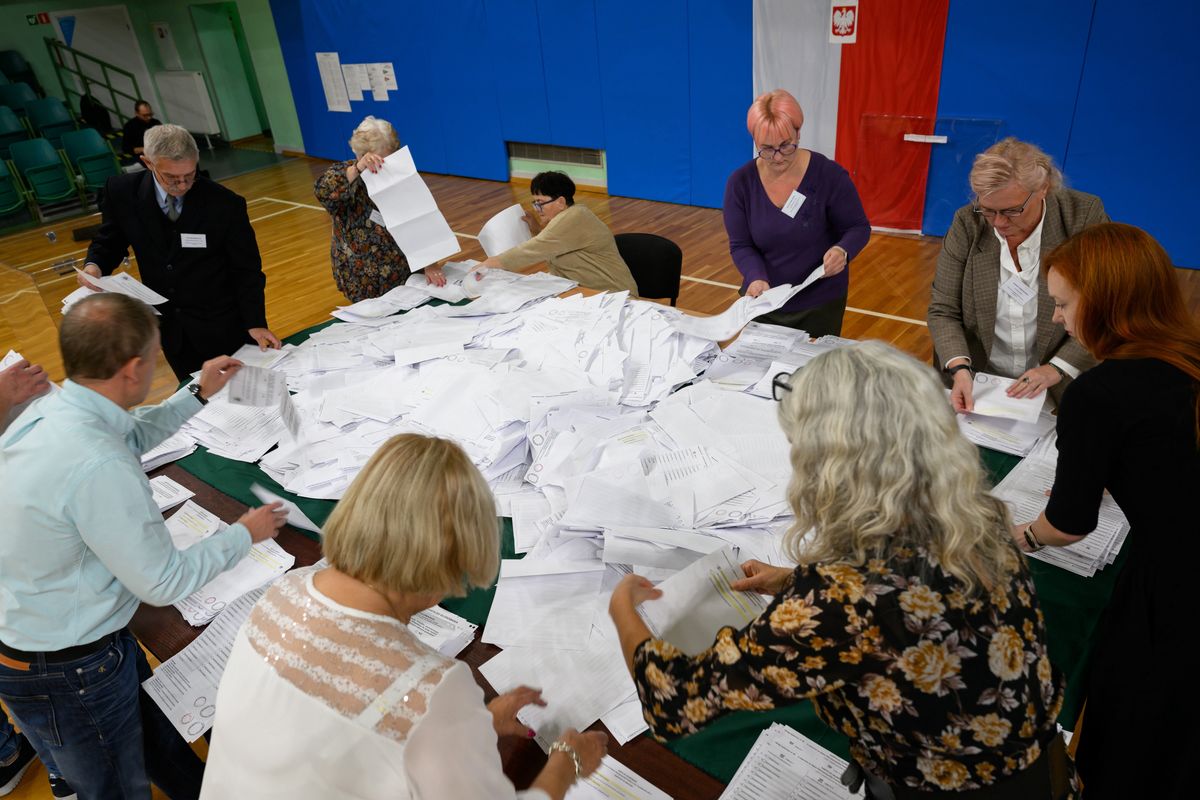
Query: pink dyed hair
point(774, 117)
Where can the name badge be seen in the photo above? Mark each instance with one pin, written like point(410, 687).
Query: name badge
point(377, 218)
point(193, 240)
point(793, 204)
point(1016, 288)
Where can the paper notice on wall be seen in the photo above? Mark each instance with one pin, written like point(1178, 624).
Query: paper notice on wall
point(353, 87)
point(379, 81)
point(333, 82)
point(843, 22)
point(389, 75)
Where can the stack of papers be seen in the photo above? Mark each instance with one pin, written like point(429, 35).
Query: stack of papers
point(236, 432)
point(1006, 435)
point(727, 324)
point(612, 780)
point(991, 400)
point(445, 632)
point(409, 211)
point(1025, 488)
point(173, 448)
point(169, 493)
point(265, 562)
point(786, 765)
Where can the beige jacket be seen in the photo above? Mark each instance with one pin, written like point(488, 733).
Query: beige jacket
point(579, 247)
point(962, 305)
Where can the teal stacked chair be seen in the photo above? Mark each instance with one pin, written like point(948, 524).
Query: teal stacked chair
point(91, 157)
point(50, 119)
point(12, 196)
point(14, 66)
point(44, 173)
point(4, 81)
point(11, 130)
point(17, 96)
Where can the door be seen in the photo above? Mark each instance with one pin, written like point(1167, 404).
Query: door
point(230, 75)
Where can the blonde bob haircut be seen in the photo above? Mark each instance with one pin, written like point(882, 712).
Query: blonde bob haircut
point(878, 463)
point(419, 518)
point(1012, 160)
point(374, 135)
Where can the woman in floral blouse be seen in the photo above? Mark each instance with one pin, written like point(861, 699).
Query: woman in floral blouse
point(366, 260)
point(911, 623)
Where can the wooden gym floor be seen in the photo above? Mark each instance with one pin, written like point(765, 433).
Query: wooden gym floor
point(889, 287)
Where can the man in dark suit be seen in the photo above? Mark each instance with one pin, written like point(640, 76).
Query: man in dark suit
point(194, 245)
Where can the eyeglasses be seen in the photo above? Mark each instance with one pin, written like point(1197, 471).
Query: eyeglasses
point(779, 385)
point(768, 153)
point(990, 213)
point(538, 205)
point(174, 180)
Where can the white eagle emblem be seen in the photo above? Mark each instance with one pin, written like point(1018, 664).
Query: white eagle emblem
point(843, 20)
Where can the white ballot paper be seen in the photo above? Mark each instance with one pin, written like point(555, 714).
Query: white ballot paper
point(786, 765)
point(168, 493)
point(697, 602)
point(190, 524)
point(265, 562)
point(727, 324)
point(295, 517)
point(504, 231)
point(444, 631)
point(126, 284)
point(185, 685)
point(991, 400)
point(333, 82)
point(409, 211)
point(612, 780)
point(252, 356)
point(256, 386)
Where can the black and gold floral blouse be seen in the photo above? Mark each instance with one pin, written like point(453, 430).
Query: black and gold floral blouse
point(935, 691)
point(366, 260)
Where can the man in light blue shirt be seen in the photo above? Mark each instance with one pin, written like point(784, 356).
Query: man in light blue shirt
point(83, 542)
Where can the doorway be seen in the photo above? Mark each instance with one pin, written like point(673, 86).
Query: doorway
point(230, 70)
point(107, 34)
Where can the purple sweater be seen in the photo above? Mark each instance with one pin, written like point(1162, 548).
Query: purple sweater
point(768, 245)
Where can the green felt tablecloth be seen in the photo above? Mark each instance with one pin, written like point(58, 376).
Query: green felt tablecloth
point(1071, 604)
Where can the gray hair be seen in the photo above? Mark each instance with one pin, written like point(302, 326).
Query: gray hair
point(1012, 160)
point(374, 135)
point(878, 464)
point(171, 142)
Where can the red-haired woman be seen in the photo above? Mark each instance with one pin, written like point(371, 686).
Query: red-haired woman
point(1132, 426)
point(789, 211)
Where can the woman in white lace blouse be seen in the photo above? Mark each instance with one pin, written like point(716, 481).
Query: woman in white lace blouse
point(327, 692)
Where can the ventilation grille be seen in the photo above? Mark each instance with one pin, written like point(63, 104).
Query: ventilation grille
point(561, 155)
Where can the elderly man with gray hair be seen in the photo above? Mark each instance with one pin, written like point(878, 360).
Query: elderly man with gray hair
point(989, 310)
point(194, 245)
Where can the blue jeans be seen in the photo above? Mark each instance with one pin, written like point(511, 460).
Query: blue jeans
point(90, 717)
point(10, 745)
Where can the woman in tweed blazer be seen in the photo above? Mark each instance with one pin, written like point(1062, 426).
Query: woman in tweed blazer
point(982, 310)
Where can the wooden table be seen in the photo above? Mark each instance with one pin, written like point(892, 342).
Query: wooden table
point(164, 633)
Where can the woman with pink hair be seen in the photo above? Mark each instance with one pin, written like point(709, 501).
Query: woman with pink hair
point(789, 211)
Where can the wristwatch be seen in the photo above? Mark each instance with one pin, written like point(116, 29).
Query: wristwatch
point(952, 370)
point(194, 388)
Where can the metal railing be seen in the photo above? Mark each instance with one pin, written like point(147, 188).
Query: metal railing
point(67, 60)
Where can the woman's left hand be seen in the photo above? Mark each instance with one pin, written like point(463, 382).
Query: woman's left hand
point(504, 710)
point(435, 276)
point(835, 261)
point(1034, 382)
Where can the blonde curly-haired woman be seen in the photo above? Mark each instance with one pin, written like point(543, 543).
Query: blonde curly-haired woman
point(910, 623)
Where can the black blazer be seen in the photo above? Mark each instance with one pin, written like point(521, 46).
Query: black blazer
point(215, 291)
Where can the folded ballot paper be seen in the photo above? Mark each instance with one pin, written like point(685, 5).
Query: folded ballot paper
point(727, 324)
point(410, 213)
point(991, 400)
point(504, 231)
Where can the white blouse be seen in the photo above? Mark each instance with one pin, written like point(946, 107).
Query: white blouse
point(319, 700)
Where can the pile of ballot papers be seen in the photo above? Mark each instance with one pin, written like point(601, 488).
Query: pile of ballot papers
point(786, 765)
point(1025, 488)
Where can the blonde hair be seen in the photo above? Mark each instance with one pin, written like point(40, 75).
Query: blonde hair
point(374, 135)
point(419, 518)
point(774, 117)
point(1013, 160)
point(878, 463)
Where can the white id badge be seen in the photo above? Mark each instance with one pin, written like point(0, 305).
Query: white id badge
point(377, 218)
point(193, 240)
point(1015, 288)
point(793, 204)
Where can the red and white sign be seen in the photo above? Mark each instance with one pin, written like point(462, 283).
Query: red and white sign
point(43, 18)
point(843, 22)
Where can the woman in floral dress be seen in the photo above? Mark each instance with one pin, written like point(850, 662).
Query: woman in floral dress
point(910, 623)
point(366, 260)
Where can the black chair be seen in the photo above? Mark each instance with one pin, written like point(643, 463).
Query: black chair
point(655, 261)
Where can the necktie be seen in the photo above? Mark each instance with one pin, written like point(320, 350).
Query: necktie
point(172, 207)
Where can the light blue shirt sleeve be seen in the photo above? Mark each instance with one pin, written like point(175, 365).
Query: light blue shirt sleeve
point(114, 512)
point(153, 424)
